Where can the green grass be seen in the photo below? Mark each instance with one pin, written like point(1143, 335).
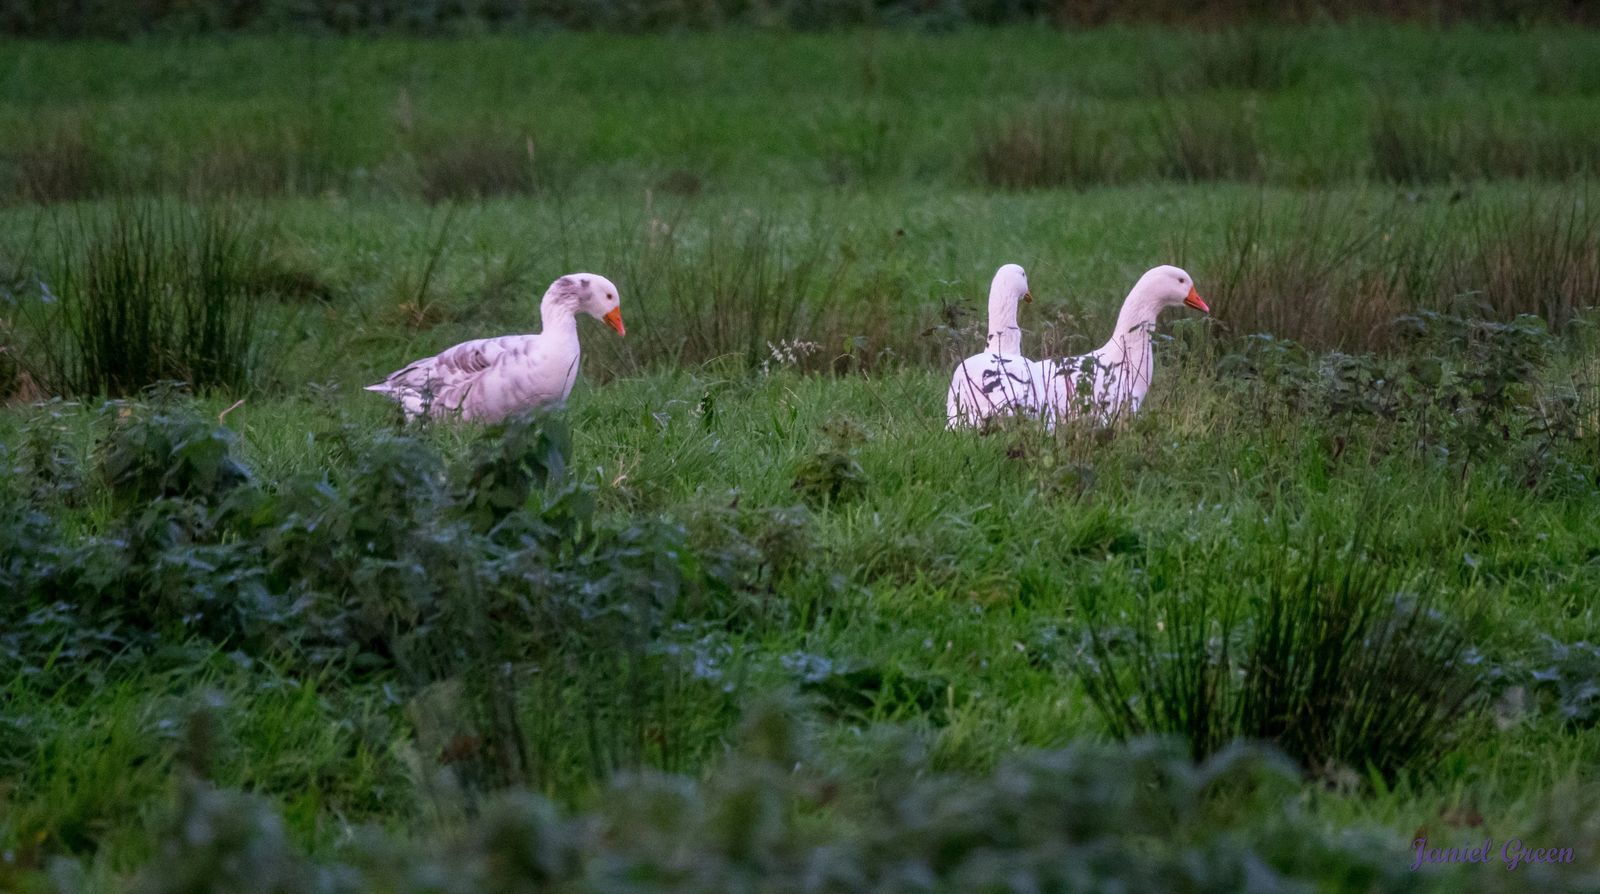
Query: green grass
point(923, 592)
point(304, 114)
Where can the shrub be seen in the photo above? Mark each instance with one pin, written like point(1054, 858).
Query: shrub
point(165, 450)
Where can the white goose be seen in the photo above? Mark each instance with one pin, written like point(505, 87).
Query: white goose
point(1000, 380)
point(488, 379)
point(1114, 380)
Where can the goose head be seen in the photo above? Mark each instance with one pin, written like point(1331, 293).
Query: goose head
point(1168, 286)
point(592, 294)
point(1009, 286)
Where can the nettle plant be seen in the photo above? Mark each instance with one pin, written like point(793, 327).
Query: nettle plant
point(486, 585)
point(1463, 389)
point(776, 815)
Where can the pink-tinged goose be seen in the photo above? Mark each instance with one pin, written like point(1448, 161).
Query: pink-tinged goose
point(999, 381)
point(488, 379)
point(1113, 380)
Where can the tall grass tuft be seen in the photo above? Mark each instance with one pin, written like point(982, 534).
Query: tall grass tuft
point(148, 295)
point(286, 160)
point(1215, 142)
point(1247, 59)
point(1533, 257)
point(62, 165)
point(1333, 274)
point(1330, 662)
point(1049, 145)
point(1564, 69)
point(1319, 274)
point(740, 287)
point(1417, 146)
point(481, 165)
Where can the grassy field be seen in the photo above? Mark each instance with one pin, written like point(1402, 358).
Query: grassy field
point(745, 616)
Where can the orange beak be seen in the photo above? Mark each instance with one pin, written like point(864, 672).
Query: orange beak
point(1028, 297)
point(1195, 301)
point(613, 319)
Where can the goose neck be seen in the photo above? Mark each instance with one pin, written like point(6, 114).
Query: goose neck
point(557, 315)
point(1005, 336)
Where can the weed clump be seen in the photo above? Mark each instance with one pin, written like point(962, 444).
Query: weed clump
point(831, 474)
point(164, 450)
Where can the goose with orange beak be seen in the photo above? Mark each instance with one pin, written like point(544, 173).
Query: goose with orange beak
point(1113, 380)
point(488, 379)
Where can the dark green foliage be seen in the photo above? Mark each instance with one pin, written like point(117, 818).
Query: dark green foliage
point(163, 449)
point(830, 475)
point(1330, 663)
point(513, 462)
point(228, 841)
point(1465, 386)
point(1568, 675)
point(492, 599)
point(1133, 817)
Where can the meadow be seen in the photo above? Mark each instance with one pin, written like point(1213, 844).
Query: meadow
point(745, 616)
